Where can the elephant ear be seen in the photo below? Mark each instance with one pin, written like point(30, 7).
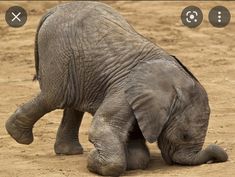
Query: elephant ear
point(151, 95)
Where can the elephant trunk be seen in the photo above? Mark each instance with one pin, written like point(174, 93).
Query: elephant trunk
point(212, 153)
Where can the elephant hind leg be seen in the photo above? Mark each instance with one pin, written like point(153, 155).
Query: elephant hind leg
point(20, 124)
point(67, 141)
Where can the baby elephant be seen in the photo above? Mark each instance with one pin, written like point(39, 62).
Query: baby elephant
point(89, 59)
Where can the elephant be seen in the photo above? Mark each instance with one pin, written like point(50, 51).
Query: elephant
point(88, 58)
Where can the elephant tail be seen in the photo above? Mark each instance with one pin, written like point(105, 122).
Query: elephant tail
point(36, 55)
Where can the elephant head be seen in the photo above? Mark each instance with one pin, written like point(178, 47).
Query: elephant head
point(172, 109)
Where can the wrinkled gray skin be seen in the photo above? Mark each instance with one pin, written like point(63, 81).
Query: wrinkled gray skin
point(89, 59)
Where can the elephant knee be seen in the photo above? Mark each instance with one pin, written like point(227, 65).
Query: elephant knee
point(113, 169)
point(107, 167)
point(138, 161)
point(138, 155)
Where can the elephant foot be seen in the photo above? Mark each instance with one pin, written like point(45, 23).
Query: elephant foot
point(68, 148)
point(21, 134)
point(99, 165)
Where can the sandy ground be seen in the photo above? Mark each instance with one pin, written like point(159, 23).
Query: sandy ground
point(207, 51)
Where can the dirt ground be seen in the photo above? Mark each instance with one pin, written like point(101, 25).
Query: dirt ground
point(207, 51)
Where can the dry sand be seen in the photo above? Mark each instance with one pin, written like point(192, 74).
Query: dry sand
point(207, 51)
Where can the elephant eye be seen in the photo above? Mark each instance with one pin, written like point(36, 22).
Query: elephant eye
point(186, 137)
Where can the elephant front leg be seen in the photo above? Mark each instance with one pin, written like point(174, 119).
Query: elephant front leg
point(20, 124)
point(109, 132)
point(67, 141)
point(109, 157)
point(138, 155)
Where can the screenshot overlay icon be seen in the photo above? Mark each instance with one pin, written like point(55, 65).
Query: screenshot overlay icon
point(16, 16)
point(219, 16)
point(191, 16)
